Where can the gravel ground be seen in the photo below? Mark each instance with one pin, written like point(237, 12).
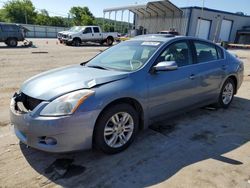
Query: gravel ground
point(202, 148)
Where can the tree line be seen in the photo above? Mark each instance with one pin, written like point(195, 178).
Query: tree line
point(23, 11)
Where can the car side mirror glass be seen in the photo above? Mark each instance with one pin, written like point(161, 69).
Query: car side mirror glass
point(165, 66)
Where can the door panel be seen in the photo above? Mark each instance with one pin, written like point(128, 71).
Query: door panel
point(172, 90)
point(97, 33)
point(87, 34)
point(210, 70)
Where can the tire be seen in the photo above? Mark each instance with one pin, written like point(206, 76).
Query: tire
point(101, 43)
point(76, 42)
point(109, 41)
point(226, 94)
point(12, 42)
point(117, 138)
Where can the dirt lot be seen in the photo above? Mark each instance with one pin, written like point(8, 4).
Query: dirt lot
point(202, 148)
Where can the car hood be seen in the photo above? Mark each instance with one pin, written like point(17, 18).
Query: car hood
point(67, 32)
point(54, 83)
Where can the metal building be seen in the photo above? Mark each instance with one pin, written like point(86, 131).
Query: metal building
point(201, 22)
point(213, 24)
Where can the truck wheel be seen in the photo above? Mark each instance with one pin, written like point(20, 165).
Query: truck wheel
point(110, 41)
point(12, 42)
point(76, 42)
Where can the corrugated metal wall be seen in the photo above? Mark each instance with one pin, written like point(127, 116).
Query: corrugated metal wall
point(155, 24)
point(37, 31)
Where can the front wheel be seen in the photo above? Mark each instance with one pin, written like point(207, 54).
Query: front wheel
point(116, 128)
point(12, 42)
point(227, 93)
point(76, 42)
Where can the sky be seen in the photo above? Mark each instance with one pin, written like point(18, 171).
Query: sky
point(61, 7)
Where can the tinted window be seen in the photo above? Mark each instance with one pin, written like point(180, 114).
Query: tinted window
point(205, 52)
point(178, 52)
point(220, 53)
point(88, 30)
point(96, 30)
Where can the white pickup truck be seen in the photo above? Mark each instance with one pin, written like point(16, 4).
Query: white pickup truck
point(78, 34)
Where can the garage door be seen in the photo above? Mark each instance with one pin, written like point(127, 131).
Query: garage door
point(203, 28)
point(225, 30)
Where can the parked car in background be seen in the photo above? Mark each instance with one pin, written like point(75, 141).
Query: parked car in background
point(172, 32)
point(10, 34)
point(80, 34)
point(106, 101)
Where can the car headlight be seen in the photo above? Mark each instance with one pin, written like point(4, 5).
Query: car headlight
point(66, 104)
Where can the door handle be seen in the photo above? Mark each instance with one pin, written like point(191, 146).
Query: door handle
point(192, 76)
point(92, 34)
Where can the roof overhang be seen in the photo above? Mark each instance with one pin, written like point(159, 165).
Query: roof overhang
point(151, 9)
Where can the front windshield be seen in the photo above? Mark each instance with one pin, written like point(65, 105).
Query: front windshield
point(76, 28)
point(126, 56)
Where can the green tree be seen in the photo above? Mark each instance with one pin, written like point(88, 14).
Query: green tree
point(43, 18)
point(20, 11)
point(82, 16)
point(2, 15)
point(57, 21)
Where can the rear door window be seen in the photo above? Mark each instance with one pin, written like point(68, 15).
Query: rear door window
point(205, 52)
point(96, 30)
point(220, 53)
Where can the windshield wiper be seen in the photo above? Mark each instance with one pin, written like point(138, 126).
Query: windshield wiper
point(97, 67)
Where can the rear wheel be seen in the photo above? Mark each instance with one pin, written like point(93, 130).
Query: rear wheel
point(110, 41)
point(12, 42)
point(116, 128)
point(227, 93)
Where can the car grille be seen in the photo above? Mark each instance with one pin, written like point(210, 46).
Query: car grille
point(28, 102)
point(65, 36)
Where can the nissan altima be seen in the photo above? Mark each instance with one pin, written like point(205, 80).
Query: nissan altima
point(104, 102)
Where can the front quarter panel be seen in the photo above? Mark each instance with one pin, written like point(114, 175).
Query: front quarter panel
point(129, 87)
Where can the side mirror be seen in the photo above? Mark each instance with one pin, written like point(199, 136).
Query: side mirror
point(165, 66)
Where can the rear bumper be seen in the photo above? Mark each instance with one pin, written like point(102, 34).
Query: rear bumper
point(70, 132)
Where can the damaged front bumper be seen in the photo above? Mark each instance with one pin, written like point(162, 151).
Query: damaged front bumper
point(52, 134)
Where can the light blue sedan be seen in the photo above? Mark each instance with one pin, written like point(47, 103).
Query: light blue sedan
point(105, 102)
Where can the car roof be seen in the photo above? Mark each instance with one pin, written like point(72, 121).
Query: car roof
point(3, 23)
point(167, 38)
point(157, 37)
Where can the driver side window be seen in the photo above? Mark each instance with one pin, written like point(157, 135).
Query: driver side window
point(87, 30)
point(178, 52)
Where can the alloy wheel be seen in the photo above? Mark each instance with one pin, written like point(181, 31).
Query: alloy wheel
point(118, 129)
